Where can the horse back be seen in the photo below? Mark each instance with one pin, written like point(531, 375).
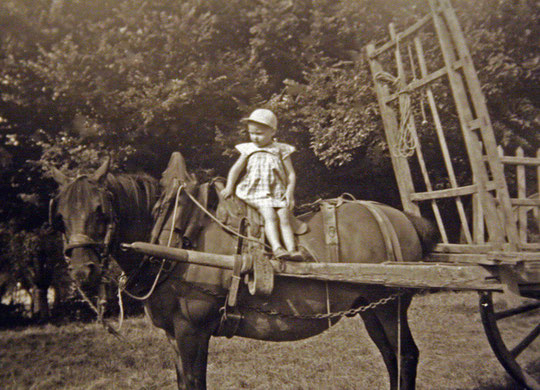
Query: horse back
point(360, 238)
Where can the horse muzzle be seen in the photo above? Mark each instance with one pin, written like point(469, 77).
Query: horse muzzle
point(84, 256)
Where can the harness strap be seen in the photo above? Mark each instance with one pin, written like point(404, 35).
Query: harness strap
point(390, 238)
point(331, 237)
point(235, 281)
point(79, 241)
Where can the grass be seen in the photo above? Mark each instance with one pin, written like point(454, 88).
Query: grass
point(454, 356)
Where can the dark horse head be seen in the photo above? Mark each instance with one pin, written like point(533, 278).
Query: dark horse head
point(96, 213)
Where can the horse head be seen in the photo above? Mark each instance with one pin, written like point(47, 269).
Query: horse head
point(83, 211)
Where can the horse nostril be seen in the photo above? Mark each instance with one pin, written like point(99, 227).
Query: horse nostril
point(82, 275)
point(91, 268)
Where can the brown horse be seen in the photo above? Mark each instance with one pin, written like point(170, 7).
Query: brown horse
point(187, 303)
point(96, 213)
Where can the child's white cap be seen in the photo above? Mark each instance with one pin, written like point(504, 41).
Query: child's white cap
point(263, 116)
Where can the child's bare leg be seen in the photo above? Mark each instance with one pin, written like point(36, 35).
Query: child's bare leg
point(271, 226)
point(286, 230)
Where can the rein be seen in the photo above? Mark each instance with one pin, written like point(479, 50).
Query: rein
point(102, 320)
point(124, 279)
point(221, 224)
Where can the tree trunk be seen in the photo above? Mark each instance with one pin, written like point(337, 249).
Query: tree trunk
point(40, 303)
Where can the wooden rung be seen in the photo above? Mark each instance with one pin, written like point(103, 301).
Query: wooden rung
point(514, 256)
point(534, 161)
point(411, 30)
point(475, 124)
point(511, 160)
point(530, 246)
point(474, 258)
point(416, 84)
point(525, 202)
point(463, 248)
point(449, 192)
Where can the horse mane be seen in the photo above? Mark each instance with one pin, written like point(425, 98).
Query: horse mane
point(134, 195)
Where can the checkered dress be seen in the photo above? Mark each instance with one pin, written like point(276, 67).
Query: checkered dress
point(265, 181)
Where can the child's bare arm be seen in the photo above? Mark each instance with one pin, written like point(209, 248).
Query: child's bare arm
point(291, 181)
point(233, 176)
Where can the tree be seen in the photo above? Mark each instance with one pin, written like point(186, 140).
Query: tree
point(34, 260)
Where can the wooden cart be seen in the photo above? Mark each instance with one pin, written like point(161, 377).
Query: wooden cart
point(490, 249)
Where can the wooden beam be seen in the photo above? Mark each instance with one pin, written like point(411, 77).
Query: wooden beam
point(406, 275)
point(533, 161)
point(411, 30)
point(463, 248)
point(527, 202)
point(521, 194)
point(416, 84)
point(446, 193)
point(416, 275)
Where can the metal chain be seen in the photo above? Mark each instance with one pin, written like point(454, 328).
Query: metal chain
point(337, 314)
point(317, 316)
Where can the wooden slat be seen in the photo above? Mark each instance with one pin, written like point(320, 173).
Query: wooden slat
point(485, 256)
point(475, 123)
point(522, 193)
point(463, 258)
point(447, 193)
point(464, 248)
point(512, 160)
point(411, 30)
point(401, 167)
point(427, 79)
point(526, 202)
point(509, 257)
point(536, 211)
point(534, 161)
point(530, 246)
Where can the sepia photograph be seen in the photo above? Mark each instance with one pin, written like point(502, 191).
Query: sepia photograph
point(269, 194)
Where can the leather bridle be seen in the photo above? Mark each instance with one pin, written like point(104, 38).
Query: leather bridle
point(102, 249)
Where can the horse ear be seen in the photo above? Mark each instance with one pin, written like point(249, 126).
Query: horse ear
point(176, 169)
point(53, 204)
point(102, 171)
point(58, 176)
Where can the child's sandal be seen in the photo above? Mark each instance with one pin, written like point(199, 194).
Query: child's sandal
point(281, 254)
point(296, 256)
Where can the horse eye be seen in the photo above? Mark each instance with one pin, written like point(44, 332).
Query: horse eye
point(101, 216)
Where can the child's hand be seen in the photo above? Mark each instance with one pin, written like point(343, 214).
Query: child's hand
point(290, 200)
point(226, 192)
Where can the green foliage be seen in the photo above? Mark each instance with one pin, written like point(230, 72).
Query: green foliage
point(32, 258)
point(138, 80)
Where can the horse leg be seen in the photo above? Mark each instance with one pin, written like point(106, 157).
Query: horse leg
point(377, 334)
point(192, 355)
point(382, 326)
point(393, 327)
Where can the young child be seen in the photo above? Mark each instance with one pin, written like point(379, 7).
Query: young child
point(268, 183)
